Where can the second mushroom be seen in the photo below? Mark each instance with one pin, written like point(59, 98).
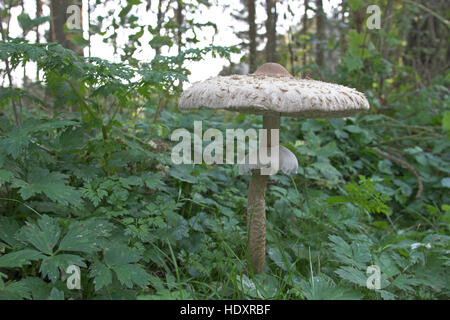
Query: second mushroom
point(271, 92)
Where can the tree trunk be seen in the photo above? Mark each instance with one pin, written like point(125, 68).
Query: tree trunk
point(304, 30)
point(58, 33)
point(271, 31)
point(320, 29)
point(251, 35)
point(38, 35)
point(342, 38)
point(357, 19)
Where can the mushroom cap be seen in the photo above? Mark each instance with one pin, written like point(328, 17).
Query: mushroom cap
point(272, 90)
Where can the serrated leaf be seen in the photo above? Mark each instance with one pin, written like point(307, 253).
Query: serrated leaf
point(5, 176)
point(52, 184)
point(8, 229)
point(20, 258)
point(153, 181)
point(15, 291)
point(79, 238)
point(40, 290)
point(17, 139)
point(120, 255)
point(277, 257)
point(405, 282)
point(353, 275)
point(320, 289)
point(52, 266)
point(44, 236)
point(130, 274)
point(26, 23)
point(102, 275)
point(327, 170)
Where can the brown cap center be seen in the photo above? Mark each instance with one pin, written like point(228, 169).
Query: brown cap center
point(273, 70)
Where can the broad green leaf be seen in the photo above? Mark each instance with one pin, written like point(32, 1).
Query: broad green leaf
point(26, 23)
point(120, 255)
point(130, 274)
point(102, 275)
point(13, 144)
point(44, 236)
point(321, 289)
point(53, 266)
point(5, 176)
point(79, 238)
point(353, 275)
point(15, 291)
point(446, 121)
point(20, 258)
point(8, 229)
point(52, 184)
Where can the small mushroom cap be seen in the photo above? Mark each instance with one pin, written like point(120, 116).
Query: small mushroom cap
point(288, 163)
point(272, 90)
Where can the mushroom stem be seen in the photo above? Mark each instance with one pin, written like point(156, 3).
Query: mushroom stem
point(256, 208)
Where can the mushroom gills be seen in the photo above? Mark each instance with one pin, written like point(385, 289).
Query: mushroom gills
point(288, 163)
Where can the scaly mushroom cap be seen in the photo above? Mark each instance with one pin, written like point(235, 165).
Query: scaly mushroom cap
point(271, 89)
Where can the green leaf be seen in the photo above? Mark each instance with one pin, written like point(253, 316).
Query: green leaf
point(79, 238)
point(16, 140)
point(5, 176)
point(130, 274)
point(40, 290)
point(120, 259)
point(20, 258)
point(277, 257)
point(15, 291)
point(321, 289)
point(446, 121)
point(52, 184)
point(44, 236)
point(26, 23)
point(357, 254)
point(56, 294)
point(352, 62)
point(52, 266)
point(102, 275)
point(8, 229)
point(353, 275)
point(405, 282)
point(328, 171)
point(120, 255)
point(356, 4)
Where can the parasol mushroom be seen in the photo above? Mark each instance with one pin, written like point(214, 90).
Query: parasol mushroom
point(271, 92)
